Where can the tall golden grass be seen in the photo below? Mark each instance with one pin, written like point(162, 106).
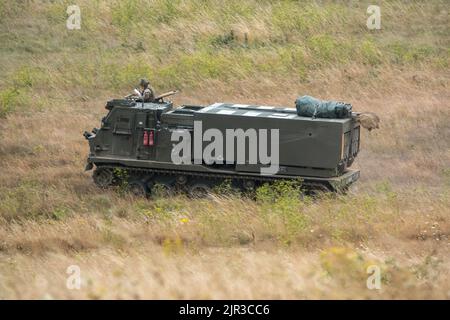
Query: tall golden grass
point(54, 85)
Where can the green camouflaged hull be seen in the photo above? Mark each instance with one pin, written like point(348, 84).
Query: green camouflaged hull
point(317, 150)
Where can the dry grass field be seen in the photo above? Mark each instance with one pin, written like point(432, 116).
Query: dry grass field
point(54, 83)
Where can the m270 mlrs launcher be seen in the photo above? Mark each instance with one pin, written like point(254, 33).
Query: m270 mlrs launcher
point(141, 142)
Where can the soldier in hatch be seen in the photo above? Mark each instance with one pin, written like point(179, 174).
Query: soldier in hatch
point(146, 92)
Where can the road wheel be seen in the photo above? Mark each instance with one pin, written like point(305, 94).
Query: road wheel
point(199, 190)
point(137, 188)
point(103, 177)
point(181, 180)
point(249, 185)
point(163, 189)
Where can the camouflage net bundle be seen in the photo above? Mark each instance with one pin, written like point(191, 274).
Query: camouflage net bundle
point(308, 106)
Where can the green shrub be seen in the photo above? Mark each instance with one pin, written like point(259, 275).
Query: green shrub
point(274, 192)
point(282, 209)
point(166, 11)
point(404, 53)
point(59, 213)
point(9, 99)
point(125, 13)
point(290, 17)
point(324, 47)
point(370, 52)
point(223, 40)
point(55, 12)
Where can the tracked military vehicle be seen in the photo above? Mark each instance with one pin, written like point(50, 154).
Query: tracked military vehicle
point(135, 143)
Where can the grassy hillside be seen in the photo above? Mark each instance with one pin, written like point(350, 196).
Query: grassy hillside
point(54, 85)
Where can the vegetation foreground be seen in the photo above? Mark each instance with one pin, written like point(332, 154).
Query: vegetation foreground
point(54, 85)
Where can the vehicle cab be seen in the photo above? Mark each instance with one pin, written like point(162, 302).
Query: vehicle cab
point(129, 130)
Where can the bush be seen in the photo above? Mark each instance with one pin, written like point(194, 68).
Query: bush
point(9, 99)
point(370, 52)
point(282, 209)
point(125, 13)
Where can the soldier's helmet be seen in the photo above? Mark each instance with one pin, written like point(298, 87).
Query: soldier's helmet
point(144, 83)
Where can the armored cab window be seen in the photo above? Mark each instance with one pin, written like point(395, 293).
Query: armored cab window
point(122, 125)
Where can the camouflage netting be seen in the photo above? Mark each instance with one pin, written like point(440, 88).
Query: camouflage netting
point(308, 106)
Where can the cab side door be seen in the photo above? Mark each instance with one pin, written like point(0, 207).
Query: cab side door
point(122, 131)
